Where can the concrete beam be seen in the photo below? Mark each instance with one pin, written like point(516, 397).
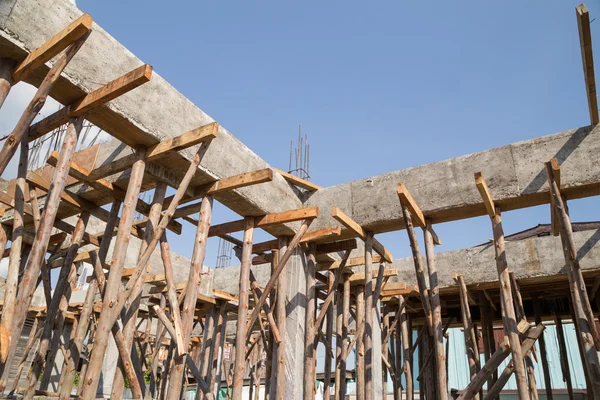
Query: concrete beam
point(446, 191)
point(149, 114)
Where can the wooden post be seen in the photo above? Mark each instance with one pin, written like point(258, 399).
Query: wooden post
point(36, 104)
point(40, 244)
point(7, 67)
point(129, 315)
point(329, 336)
point(215, 381)
point(436, 316)
point(508, 308)
point(60, 301)
point(113, 285)
point(420, 272)
point(240, 340)
point(280, 314)
point(34, 334)
point(586, 372)
point(564, 356)
point(385, 331)
point(360, 347)
point(537, 310)
point(406, 347)
point(12, 276)
point(208, 346)
point(487, 319)
point(584, 317)
point(311, 338)
point(368, 333)
point(341, 338)
point(469, 330)
point(191, 295)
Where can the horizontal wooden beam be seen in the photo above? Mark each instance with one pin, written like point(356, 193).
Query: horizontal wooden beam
point(315, 236)
point(196, 136)
point(406, 199)
point(553, 215)
point(352, 262)
point(484, 191)
point(360, 276)
point(335, 247)
point(225, 184)
point(587, 57)
point(82, 174)
point(94, 99)
point(265, 220)
point(297, 181)
point(358, 230)
point(51, 48)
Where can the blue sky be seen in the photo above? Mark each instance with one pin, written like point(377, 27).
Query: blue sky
point(378, 86)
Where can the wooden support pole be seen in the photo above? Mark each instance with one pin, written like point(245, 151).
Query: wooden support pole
point(34, 334)
point(419, 271)
point(281, 315)
point(332, 288)
point(341, 335)
point(436, 316)
point(129, 315)
point(109, 314)
point(368, 334)
point(217, 371)
point(359, 338)
point(56, 309)
point(208, 345)
point(584, 316)
point(325, 306)
point(487, 330)
point(564, 356)
point(587, 58)
point(406, 347)
point(240, 341)
point(191, 293)
point(311, 338)
point(16, 136)
point(14, 262)
point(40, 245)
point(266, 308)
point(7, 67)
point(469, 331)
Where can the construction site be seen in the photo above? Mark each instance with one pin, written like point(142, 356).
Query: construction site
point(95, 304)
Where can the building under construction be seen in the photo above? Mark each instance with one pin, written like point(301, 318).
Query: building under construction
point(95, 304)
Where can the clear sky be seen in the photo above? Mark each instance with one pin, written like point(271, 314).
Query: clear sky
point(378, 86)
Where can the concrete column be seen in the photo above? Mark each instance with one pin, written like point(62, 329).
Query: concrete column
point(296, 307)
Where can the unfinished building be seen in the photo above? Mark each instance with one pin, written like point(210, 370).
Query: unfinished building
point(153, 324)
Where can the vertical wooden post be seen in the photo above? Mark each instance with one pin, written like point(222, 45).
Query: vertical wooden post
point(113, 283)
point(14, 262)
point(469, 331)
point(384, 347)
point(329, 336)
point(508, 308)
point(240, 340)
point(191, 295)
point(360, 346)
point(280, 313)
point(487, 333)
point(33, 108)
point(311, 338)
point(368, 333)
point(537, 310)
point(60, 301)
point(406, 348)
point(208, 346)
point(564, 356)
point(130, 316)
point(436, 318)
point(40, 244)
point(339, 344)
point(7, 67)
point(215, 381)
point(270, 349)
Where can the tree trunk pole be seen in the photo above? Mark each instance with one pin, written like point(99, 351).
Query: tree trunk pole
point(406, 347)
point(36, 104)
point(281, 315)
point(469, 331)
point(129, 315)
point(7, 67)
point(368, 333)
point(329, 336)
point(58, 306)
point(564, 356)
point(508, 307)
point(208, 346)
point(240, 340)
point(487, 330)
point(438, 336)
point(14, 262)
point(113, 285)
point(360, 347)
point(191, 295)
point(341, 340)
point(40, 244)
point(537, 310)
point(311, 337)
point(215, 381)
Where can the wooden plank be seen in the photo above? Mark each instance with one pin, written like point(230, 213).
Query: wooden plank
point(53, 47)
point(335, 247)
point(266, 220)
point(318, 235)
point(94, 99)
point(553, 215)
point(82, 174)
point(199, 135)
point(358, 230)
point(587, 58)
point(297, 181)
point(484, 191)
point(360, 276)
point(407, 199)
point(352, 262)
